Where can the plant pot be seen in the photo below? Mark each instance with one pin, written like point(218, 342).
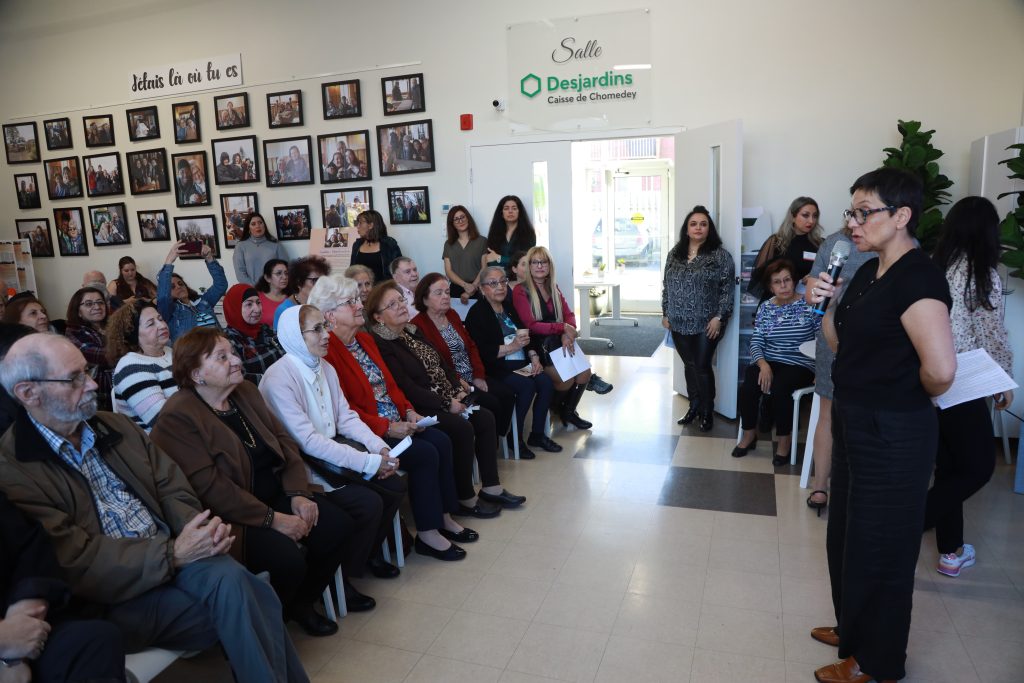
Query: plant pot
point(598, 301)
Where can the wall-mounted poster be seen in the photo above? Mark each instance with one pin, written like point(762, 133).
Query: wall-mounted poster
point(70, 231)
point(147, 171)
point(197, 229)
point(21, 142)
point(232, 110)
point(58, 133)
point(37, 232)
point(190, 185)
point(153, 226)
point(143, 124)
point(103, 174)
point(341, 99)
point(109, 225)
point(63, 180)
point(406, 148)
point(27, 188)
point(344, 157)
point(292, 222)
point(402, 94)
point(99, 130)
point(236, 160)
point(287, 161)
point(235, 210)
point(408, 205)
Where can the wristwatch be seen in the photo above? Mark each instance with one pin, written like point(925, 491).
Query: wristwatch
point(12, 662)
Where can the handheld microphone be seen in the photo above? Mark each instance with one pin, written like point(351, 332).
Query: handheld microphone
point(836, 260)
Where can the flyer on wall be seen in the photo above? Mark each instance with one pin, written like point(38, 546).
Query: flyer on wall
point(334, 245)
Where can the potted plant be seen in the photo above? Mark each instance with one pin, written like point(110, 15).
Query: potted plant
point(917, 155)
point(1011, 230)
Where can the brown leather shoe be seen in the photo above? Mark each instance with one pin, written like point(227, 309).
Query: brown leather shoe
point(845, 671)
point(826, 634)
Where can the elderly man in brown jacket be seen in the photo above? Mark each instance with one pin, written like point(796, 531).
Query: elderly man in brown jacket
point(127, 528)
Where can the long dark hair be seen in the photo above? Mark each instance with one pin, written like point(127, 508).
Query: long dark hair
point(453, 234)
point(680, 251)
point(971, 231)
point(266, 228)
point(524, 237)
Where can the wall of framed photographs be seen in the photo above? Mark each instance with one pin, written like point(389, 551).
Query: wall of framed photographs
point(68, 60)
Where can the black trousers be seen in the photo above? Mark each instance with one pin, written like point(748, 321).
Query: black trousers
point(299, 572)
point(500, 399)
point(697, 351)
point(78, 651)
point(964, 463)
point(431, 477)
point(537, 390)
point(881, 464)
point(472, 438)
point(785, 380)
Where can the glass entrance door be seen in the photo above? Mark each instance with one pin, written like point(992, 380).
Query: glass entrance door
point(639, 212)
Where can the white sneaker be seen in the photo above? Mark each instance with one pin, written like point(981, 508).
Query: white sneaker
point(951, 564)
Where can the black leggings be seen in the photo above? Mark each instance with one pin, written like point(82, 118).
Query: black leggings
point(785, 380)
point(697, 351)
point(964, 463)
point(428, 463)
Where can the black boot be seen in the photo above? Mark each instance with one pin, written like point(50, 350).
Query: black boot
point(706, 422)
point(690, 415)
point(558, 402)
point(572, 401)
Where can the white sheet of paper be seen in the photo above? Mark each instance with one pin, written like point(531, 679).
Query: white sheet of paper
point(977, 376)
point(569, 366)
point(428, 421)
point(401, 446)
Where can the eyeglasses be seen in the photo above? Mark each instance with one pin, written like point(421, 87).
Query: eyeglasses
point(860, 216)
point(495, 283)
point(76, 380)
point(349, 302)
point(319, 329)
point(539, 262)
point(397, 302)
point(461, 218)
point(92, 303)
point(279, 273)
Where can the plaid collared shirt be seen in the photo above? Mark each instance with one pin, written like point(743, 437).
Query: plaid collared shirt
point(121, 514)
point(257, 354)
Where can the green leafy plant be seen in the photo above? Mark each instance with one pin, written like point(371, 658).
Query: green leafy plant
point(917, 155)
point(1011, 230)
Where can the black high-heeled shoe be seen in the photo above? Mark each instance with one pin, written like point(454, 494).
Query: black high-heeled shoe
point(780, 459)
point(706, 422)
point(741, 451)
point(817, 505)
point(689, 417)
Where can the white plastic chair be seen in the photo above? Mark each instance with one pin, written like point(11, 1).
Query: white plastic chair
point(329, 606)
point(515, 438)
point(144, 666)
point(399, 549)
point(797, 395)
point(812, 427)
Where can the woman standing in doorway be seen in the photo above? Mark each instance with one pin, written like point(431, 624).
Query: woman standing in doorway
point(696, 302)
point(511, 231)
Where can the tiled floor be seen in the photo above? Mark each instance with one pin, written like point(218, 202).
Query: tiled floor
point(643, 555)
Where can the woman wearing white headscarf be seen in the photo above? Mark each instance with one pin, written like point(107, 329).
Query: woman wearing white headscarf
point(305, 393)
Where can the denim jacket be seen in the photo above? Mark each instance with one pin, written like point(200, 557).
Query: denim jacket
point(179, 317)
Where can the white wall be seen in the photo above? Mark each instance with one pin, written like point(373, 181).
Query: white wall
point(818, 85)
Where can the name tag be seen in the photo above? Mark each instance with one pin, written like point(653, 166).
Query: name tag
point(809, 256)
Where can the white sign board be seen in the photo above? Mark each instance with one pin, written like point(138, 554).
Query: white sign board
point(588, 72)
point(185, 77)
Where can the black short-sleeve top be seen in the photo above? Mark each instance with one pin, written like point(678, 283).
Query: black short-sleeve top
point(876, 364)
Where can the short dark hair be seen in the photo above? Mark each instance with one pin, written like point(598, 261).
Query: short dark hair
point(17, 304)
point(72, 317)
point(397, 262)
point(895, 187)
point(262, 285)
point(419, 297)
point(189, 352)
point(776, 266)
point(300, 269)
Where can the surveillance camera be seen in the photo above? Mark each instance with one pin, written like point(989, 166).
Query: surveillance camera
point(499, 105)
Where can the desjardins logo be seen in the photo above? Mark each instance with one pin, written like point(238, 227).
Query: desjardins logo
point(531, 84)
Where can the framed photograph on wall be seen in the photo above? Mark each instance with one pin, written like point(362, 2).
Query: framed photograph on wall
point(109, 225)
point(292, 222)
point(27, 188)
point(190, 184)
point(58, 133)
point(185, 117)
point(406, 148)
point(21, 141)
point(37, 232)
point(284, 109)
point(342, 99)
point(344, 157)
point(197, 229)
point(402, 94)
point(287, 161)
point(153, 225)
point(103, 174)
point(99, 130)
point(143, 123)
point(235, 210)
point(63, 180)
point(232, 110)
point(70, 232)
point(147, 171)
point(409, 205)
point(339, 208)
point(236, 161)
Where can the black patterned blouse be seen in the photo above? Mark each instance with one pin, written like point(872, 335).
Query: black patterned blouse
point(694, 292)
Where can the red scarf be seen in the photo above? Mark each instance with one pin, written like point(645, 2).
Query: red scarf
point(233, 310)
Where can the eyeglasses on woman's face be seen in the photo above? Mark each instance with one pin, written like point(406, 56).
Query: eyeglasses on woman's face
point(861, 216)
point(92, 303)
point(400, 301)
point(539, 262)
point(495, 283)
point(319, 329)
point(460, 218)
point(350, 303)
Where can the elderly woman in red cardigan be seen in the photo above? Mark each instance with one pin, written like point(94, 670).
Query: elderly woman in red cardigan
point(443, 329)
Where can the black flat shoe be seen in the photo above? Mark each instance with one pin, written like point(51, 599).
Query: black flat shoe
point(706, 422)
point(382, 569)
point(482, 510)
point(452, 554)
point(544, 442)
point(314, 624)
point(689, 417)
point(504, 499)
point(780, 459)
point(574, 419)
point(740, 451)
point(525, 453)
point(356, 601)
point(465, 536)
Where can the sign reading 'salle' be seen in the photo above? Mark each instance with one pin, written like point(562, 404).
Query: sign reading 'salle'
point(582, 72)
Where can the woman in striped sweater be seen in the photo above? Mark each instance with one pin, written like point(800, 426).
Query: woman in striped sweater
point(137, 342)
point(777, 367)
